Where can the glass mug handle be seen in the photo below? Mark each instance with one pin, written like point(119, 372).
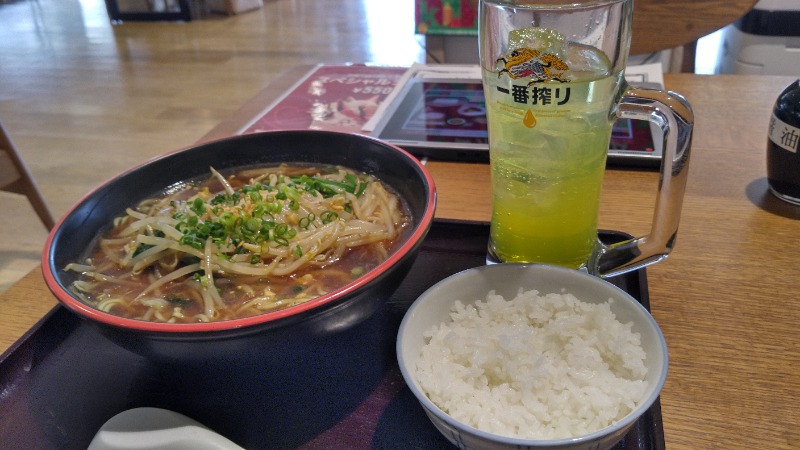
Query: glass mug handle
point(673, 115)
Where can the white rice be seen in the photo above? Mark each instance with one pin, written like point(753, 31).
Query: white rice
point(535, 367)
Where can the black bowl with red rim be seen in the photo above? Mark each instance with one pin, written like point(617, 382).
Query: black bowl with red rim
point(338, 310)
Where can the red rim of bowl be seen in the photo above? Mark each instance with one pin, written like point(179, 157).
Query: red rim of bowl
point(420, 229)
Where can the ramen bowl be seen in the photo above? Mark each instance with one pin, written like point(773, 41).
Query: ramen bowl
point(337, 310)
point(487, 348)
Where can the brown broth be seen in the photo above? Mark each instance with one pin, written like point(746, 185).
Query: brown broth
point(236, 291)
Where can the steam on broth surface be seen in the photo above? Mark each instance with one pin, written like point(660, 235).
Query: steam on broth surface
point(256, 241)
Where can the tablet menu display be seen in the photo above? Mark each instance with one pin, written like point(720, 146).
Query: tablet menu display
point(446, 119)
point(440, 112)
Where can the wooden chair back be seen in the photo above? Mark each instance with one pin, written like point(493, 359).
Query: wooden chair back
point(677, 24)
point(663, 24)
point(15, 177)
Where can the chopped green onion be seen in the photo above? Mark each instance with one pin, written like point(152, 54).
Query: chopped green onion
point(274, 207)
point(252, 224)
point(191, 241)
point(219, 199)
point(306, 221)
point(258, 211)
point(328, 216)
point(281, 229)
point(228, 220)
point(198, 206)
point(361, 188)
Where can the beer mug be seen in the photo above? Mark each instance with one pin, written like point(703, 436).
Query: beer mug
point(553, 77)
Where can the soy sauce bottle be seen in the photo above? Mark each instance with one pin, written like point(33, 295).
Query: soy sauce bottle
point(783, 145)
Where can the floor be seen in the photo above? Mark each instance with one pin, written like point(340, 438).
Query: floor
point(85, 99)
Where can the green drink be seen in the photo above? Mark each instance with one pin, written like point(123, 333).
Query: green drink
point(549, 141)
point(553, 77)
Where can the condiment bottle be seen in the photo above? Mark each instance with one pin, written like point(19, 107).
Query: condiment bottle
point(783, 145)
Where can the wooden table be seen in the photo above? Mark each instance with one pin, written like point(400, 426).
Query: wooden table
point(725, 298)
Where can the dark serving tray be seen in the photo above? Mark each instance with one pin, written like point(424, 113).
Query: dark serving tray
point(63, 380)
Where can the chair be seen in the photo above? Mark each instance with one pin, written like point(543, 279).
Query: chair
point(677, 24)
point(140, 10)
point(15, 177)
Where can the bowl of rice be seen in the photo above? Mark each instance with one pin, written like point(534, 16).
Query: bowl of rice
point(529, 356)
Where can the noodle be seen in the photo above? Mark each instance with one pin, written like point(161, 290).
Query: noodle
point(239, 245)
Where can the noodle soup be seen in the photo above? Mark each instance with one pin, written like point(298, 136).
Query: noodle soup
point(234, 246)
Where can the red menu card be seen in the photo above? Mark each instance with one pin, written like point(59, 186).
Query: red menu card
point(334, 98)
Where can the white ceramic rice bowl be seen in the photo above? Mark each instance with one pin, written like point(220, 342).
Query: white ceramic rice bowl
point(434, 305)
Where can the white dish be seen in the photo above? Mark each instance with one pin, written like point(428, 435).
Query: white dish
point(434, 306)
point(156, 428)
